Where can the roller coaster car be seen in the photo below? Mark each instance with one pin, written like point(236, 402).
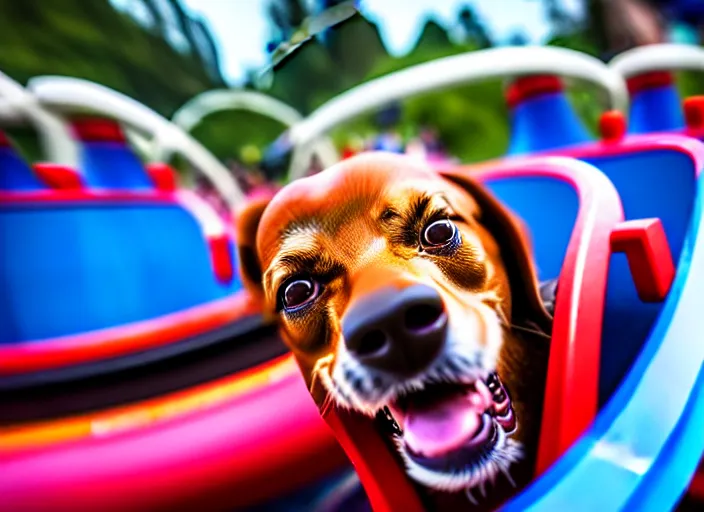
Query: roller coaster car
point(651, 158)
point(656, 105)
point(127, 341)
point(656, 108)
point(616, 341)
point(655, 174)
point(593, 417)
point(620, 344)
point(108, 243)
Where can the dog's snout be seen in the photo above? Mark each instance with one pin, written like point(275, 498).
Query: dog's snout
point(397, 331)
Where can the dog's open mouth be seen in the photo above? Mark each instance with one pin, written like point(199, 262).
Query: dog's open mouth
point(454, 428)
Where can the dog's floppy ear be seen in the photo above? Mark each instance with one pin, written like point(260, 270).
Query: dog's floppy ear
point(528, 307)
point(247, 222)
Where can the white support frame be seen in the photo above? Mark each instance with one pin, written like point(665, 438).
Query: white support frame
point(66, 94)
point(448, 72)
point(658, 57)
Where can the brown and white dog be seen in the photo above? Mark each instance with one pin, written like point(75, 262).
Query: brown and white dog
point(405, 291)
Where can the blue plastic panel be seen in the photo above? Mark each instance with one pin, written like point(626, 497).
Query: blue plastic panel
point(113, 165)
point(545, 122)
point(646, 443)
point(549, 209)
point(66, 270)
point(658, 109)
point(15, 174)
point(659, 183)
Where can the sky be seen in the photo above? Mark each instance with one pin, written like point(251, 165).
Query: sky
point(241, 30)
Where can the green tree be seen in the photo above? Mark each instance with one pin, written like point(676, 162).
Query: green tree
point(93, 40)
point(285, 17)
point(474, 30)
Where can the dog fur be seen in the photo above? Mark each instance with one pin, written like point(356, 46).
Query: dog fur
point(351, 229)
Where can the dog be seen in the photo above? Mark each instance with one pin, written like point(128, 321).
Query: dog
point(403, 290)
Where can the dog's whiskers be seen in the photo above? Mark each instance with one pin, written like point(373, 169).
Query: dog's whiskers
point(504, 321)
point(335, 392)
point(321, 365)
point(352, 385)
point(504, 470)
point(342, 386)
point(536, 332)
point(331, 394)
point(482, 483)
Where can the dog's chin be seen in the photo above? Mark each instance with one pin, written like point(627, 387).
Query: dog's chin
point(455, 437)
point(452, 424)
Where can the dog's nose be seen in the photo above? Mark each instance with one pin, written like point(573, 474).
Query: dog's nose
point(397, 331)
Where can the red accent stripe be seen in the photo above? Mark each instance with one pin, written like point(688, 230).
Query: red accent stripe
point(221, 257)
point(4, 140)
point(385, 483)
point(59, 177)
point(86, 195)
point(528, 87)
point(163, 176)
point(694, 112)
point(651, 80)
point(649, 256)
point(348, 152)
point(247, 451)
point(39, 355)
point(571, 392)
point(95, 129)
point(684, 142)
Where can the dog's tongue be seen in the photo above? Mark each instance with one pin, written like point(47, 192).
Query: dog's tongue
point(435, 429)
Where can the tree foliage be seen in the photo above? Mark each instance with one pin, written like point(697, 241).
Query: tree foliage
point(93, 40)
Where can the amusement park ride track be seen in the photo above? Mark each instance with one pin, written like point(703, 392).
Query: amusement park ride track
point(231, 349)
point(193, 361)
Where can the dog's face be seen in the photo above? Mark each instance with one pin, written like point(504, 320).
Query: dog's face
point(393, 295)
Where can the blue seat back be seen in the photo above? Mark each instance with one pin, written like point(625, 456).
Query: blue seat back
point(658, 183)
point(544, 122)
point(107, 161)
point(112, 165)
point(70, 267)
point(646, 443)
point(549, 209)
point(656, 109)
point(15, 173)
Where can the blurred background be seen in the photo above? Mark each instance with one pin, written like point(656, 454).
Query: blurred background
point(303, 53)
point(165, 52)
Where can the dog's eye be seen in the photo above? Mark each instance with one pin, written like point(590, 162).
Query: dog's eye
point(441, 232)
point(299, 292)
